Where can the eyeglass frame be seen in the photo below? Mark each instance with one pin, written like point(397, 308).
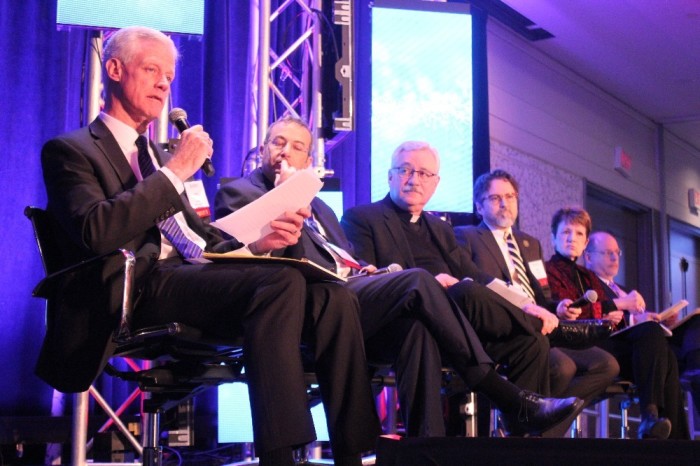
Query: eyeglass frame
point(279, 145)
point(497, 199)
point(609, 253)
point(406, 173)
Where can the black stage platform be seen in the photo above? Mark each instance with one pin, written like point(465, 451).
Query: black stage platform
point(536, 451)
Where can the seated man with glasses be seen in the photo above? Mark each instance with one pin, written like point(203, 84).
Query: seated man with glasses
point(500, 249)
point(602, 256)
point(397, 230)
point(407, 319)
point(642, 351)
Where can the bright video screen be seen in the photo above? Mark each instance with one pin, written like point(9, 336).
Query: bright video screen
point(184, 17)
point(422, 90)
point(236, 424)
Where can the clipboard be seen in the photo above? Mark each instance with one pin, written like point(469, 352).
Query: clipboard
point(311, 270)
point(663, 315)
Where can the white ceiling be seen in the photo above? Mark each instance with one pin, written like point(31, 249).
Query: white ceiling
point(644, 52)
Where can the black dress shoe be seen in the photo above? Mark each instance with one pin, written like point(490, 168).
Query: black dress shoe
point(538, 414)
point(580, 334)
point(654, 427)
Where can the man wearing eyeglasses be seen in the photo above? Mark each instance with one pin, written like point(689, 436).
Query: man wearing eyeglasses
point(503, 251)
point(397, 230)
point(602, 256)
point(407, 319)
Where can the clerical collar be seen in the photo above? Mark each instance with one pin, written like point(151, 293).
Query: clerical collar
point(404, 215)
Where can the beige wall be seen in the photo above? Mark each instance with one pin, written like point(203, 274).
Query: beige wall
point(554, 130)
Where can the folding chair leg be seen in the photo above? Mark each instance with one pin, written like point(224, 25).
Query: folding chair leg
point(624, 419)
point(152, 454)
point(575, 430)
point(603, 419)
point(79, 436)
point(468, 411)
point(691, 413)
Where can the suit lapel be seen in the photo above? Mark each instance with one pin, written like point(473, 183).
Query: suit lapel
point(105, 142)
point(490, 244)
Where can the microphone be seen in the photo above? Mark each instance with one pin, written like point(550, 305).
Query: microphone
point(178, 117)
point(590, 296)
point(388, 269)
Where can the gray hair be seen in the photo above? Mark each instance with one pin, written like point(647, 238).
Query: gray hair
point(290, 119)
point(410, 146)
point(124, 43)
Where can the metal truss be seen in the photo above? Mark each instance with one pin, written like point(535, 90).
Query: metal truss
point(289, 80)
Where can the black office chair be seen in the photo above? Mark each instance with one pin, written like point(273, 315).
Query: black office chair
point(186, 361)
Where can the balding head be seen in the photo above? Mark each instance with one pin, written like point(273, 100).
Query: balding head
point(602, 255)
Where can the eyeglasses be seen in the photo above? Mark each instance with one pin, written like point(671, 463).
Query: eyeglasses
point(610, 254)
point(405, 172)
point(280, 143)
point(497, 199)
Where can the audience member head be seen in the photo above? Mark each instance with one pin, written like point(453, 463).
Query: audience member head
point(139, 66)
point(602, 255)
point(413, 176)
point(288, 138)
point(570, 229)
point(496, 199)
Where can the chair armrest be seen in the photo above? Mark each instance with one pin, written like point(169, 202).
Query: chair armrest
point(47, 285)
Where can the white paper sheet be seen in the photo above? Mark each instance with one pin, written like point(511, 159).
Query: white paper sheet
point(252, 222)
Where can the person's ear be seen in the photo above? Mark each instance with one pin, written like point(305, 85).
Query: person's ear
point(114, 69)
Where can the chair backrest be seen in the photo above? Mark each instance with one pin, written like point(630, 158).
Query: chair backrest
point(57, 250)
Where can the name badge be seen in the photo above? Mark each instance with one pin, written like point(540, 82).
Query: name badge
point(537, 269)
point(198, 197)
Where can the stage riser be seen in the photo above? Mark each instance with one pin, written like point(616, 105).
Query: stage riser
point(535, 452)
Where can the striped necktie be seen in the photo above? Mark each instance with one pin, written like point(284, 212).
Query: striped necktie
point(169, 227)
point(520, 276)
point(339, 254)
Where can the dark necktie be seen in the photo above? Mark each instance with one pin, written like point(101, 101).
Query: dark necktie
point(169, 227)
point(520, 274)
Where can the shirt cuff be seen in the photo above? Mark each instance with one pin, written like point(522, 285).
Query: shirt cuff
point(177, 182)
point(262, 254)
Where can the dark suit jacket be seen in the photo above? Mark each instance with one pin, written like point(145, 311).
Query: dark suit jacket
point(376, 233)
point(480, 245)
point(96, 198)
point(238, 193)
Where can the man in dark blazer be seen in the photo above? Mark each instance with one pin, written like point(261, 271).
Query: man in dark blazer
point(108, 191)
point(396, 230)
point(583, 373)
point(643, 351)
point(406, 316)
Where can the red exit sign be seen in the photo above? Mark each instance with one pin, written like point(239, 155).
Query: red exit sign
point(623, 161)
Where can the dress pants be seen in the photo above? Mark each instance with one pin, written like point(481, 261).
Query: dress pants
point(409, 322)
point(584, 373)
point(646, 358)
point(507, 336)
point(270, 307)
